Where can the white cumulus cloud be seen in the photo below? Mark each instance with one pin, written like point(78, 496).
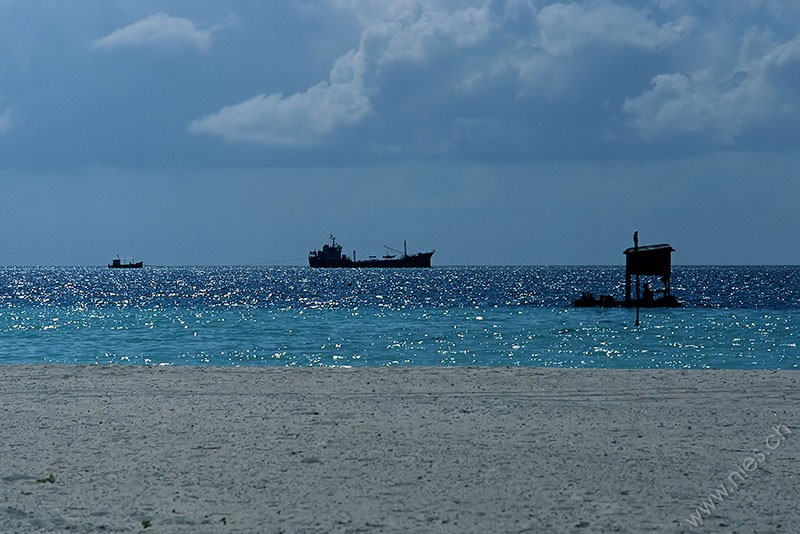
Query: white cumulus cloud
point(538, 77)
point(721, 102)
point(289, 121)
point(565, 27)
point(560, 39)
point(410, 35)
point(160, 29)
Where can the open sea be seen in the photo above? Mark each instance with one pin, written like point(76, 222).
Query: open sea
point(733, 317)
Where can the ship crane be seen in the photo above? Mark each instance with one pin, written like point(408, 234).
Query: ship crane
point(405, 248)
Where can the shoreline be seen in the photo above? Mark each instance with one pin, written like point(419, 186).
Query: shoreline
point(396, 449)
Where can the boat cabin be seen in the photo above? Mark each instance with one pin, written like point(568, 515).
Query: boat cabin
point(332, 252)
point(649, 260)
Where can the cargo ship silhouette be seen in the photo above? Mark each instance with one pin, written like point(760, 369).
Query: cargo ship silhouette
point(331, 256)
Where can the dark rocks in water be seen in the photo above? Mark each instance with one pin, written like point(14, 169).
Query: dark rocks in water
point(588, 300)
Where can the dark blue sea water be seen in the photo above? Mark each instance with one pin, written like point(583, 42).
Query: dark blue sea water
point(734, 317)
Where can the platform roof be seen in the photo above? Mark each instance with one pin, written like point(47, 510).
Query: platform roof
point(663, 247)
point(649, 260)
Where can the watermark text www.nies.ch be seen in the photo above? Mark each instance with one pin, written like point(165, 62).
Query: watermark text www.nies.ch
point(738, 476)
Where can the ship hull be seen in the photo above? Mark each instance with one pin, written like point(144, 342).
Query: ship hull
point(137, 265)
point(421, 260)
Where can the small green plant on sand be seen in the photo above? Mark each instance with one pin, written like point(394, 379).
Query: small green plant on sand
point(145, 523)
point(48, 479)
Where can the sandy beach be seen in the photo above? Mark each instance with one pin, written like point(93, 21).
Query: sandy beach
point(181, 449)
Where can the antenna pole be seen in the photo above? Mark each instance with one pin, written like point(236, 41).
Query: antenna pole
point(636, 255)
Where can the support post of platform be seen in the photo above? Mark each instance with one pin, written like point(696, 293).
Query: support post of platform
point(635, 251)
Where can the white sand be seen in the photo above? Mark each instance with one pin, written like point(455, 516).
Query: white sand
point(393, 449)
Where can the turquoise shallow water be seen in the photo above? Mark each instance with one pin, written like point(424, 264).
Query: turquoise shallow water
point(735, 317)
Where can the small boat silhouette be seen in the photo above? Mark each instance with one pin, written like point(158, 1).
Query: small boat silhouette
point(129, 264)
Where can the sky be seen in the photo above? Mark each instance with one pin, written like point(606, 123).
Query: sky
point(497, 132)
